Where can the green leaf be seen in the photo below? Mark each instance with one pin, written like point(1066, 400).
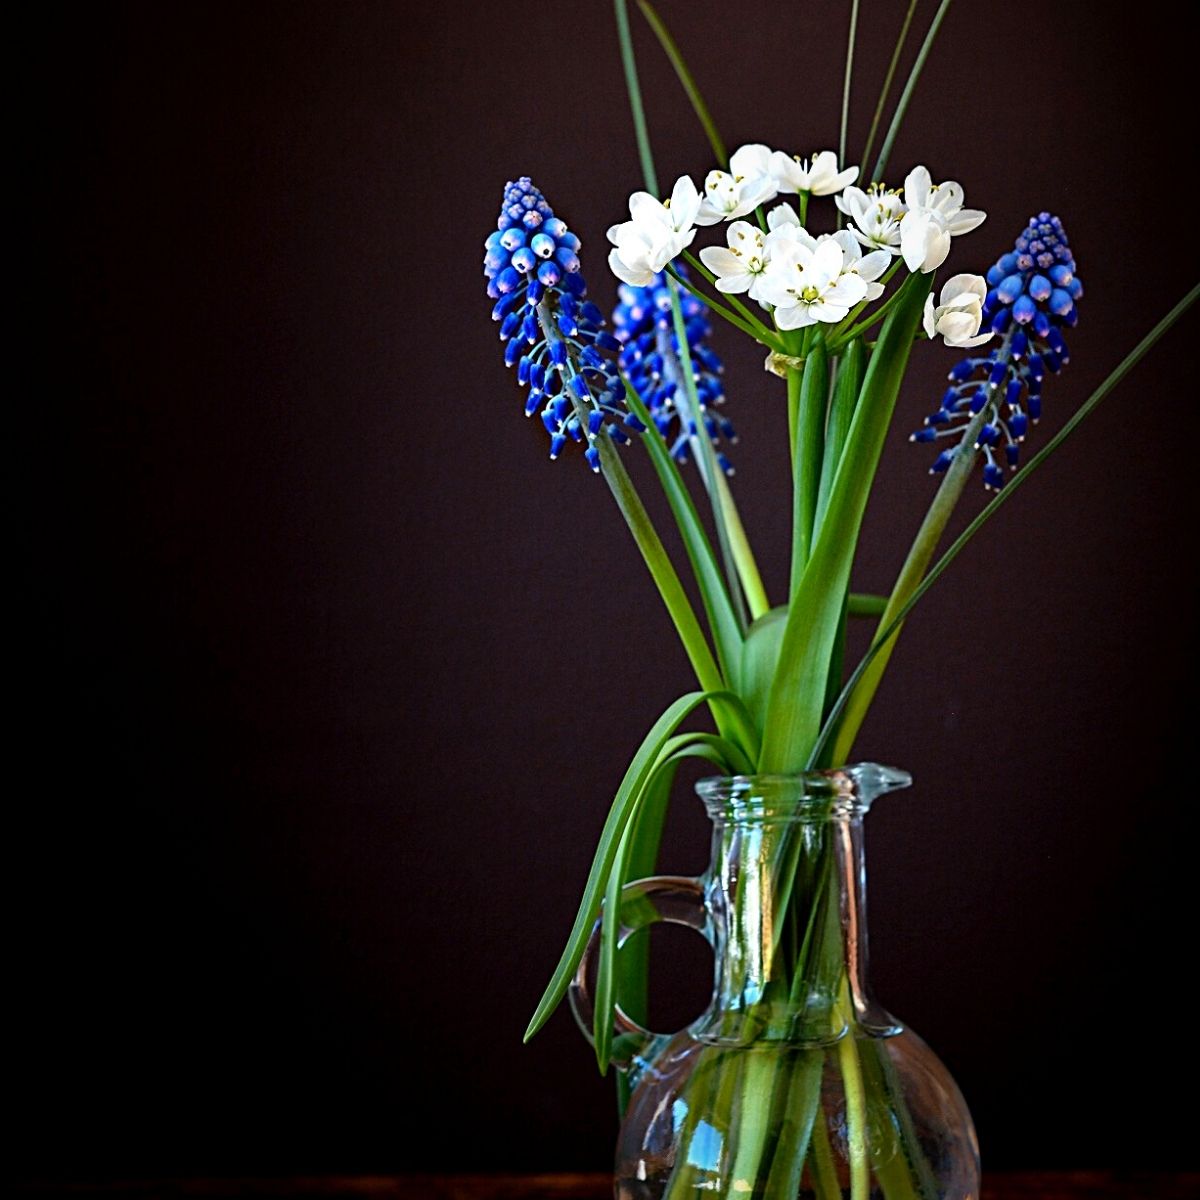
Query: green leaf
point(682, 746)
point(760, 656)
point(797, 696)
point(624, 807)
point(722, 620)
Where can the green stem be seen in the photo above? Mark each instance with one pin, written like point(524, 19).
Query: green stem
point(846, 387)
point(685, 77)
point(763, 334)
point(887, 86)
point(826, 1185)
point(743, 556)
point(635, 97)
point(856, 1104)
point(905, 96)
point(707, 459)
point(758, 331)
point(847, 75)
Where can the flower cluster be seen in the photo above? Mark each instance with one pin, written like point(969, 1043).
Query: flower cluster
point(1031, 297)
point(554, 335)
point(801, 278)
point(650, 358)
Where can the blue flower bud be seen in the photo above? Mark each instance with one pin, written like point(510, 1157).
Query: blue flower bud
point(1010, 288)
point(557, 442)
point(1018, 425)
point(592, 455)
point(542, 245)
point(1039, 287)
point(524, 260)
point(548, 274)
point(1024, 310)
point(1061, 302)
point(513, 238)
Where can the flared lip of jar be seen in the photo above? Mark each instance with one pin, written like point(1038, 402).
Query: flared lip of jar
point(838, 792)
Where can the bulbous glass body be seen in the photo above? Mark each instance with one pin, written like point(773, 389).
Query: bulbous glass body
point(794, 1083)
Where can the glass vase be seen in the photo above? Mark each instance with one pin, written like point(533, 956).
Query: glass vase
point(794, 1082)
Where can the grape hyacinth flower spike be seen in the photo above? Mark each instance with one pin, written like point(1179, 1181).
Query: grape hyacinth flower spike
point(1031, 298)
point(553, 333)
point(650, 358)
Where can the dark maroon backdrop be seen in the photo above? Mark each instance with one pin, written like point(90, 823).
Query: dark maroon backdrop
point(331, 673)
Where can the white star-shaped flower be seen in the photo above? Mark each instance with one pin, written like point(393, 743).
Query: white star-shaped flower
point(822, 178)
point(807, 284)
point(958, 317)
point(876, 215)
point(935, 215)
point(738, 268)
point(728, 196)
point(656, 232)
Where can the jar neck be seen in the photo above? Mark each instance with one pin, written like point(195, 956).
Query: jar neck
point(786, 894)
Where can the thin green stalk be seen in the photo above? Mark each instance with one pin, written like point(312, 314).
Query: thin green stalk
point(1114, 378)
point(826, 1184)
point(757, 331)
point(887, 86)
point(685, 77)
point(856, 1105)
point(743, 556)
point(707, 459)
point(877, 314)
point(905, 96)
point(848, 74)
point(743, 310)
point(635, 97)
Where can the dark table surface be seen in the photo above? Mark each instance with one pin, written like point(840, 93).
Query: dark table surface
point(1030, 1185)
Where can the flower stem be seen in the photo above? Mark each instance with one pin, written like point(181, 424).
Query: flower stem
point(672, 52)
point(743, 556)
point(856, 1105)
point(846, 78)
point(905, 96)
point(635, 97)
point(887, 86)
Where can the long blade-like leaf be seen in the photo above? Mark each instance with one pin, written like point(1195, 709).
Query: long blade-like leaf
point(684, 745)
point(614, 828)
point(798, 692)
point(727, 636)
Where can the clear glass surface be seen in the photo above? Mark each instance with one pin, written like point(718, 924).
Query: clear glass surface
point(794, 1082)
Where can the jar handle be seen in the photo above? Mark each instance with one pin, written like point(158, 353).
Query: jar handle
point(669, 899)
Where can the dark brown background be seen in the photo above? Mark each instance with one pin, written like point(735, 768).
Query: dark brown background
point(330, 673)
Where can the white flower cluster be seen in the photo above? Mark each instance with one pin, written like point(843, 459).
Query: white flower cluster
point(801, 278)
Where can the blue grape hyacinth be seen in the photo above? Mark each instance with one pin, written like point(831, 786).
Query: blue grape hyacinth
point(650, 358)
point(553, 333)
point(1032, 295)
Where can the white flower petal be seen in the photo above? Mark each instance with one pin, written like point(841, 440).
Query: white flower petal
point(751, 161)
point(928, 319)
point(916, 187)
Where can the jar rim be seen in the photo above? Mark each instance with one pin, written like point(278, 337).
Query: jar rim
point(807, 796)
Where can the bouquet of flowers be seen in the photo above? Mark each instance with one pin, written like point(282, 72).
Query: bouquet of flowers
point(832, 271)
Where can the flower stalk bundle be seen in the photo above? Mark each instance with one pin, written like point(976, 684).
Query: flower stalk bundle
point(833, 275)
